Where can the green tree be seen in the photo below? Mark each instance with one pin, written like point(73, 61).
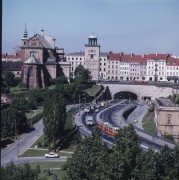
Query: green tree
point(8, 79)
point(145, 166)
point(54, 119)
point(19, 172)
point(82, 75)
point(164, 163)
point(174, 173)
point(90, 159)
point(125, 152)
point(14, 117)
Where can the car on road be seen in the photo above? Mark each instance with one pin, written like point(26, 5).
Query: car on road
point(51, 155)
point(135, 121)
point(96, 110)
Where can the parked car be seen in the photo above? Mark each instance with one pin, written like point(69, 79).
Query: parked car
point(51, 155)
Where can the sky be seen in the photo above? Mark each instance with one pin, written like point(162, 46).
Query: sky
point(129, 26)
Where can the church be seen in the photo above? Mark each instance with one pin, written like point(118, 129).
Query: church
point(42, 60)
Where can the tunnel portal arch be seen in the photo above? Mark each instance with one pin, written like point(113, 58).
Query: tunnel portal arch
point(125, 95)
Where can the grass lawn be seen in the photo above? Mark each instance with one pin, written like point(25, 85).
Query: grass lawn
point(36, 153)
point(93, 91)
point(47, 165)
point(150, 126)
point(29, 114)
point(52, 86)
point(40, 139)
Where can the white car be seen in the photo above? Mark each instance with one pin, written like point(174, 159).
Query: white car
point(135, 121)
point(51, 155)
point(96, 110)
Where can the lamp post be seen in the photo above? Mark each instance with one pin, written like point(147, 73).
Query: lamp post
point(16, 137)
point(79, 105)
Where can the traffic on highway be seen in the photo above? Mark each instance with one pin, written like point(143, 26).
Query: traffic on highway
point(105, 121)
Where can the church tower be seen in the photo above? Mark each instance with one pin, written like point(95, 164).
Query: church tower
point(25, 37)
point(92, 57)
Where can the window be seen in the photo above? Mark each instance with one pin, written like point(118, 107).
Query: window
point(92, 56)
point(169, 118)
point(31, 72)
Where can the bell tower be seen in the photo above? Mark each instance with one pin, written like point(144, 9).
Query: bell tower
point(25, 37)
point(92, 57)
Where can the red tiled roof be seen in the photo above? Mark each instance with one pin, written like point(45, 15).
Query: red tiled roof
point(114, 56)
point(11, 56)
point(143, 58)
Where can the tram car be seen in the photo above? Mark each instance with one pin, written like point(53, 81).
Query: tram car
point(108, 128)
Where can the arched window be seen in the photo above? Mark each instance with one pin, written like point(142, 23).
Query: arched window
point(31, 72)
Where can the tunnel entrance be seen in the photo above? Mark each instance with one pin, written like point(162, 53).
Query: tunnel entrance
point(125, 95)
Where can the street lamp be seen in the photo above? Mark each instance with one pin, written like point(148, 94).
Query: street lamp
point(16, 137)
point(79, 105)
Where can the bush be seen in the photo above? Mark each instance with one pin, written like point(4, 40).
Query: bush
point(39, 145)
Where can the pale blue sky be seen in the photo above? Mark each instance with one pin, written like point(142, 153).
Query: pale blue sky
point(129, 26)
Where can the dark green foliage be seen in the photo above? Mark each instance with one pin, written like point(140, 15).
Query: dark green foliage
point(164, 163)
point(54, 118)
point(125, 151)
point(34, 97)
point(8, 79)
point(146, 166)
point(90, 160)
point(20, 172)
point(175, 98)
point(170, 137)
point(14, 117)
point(82, 75)
point(125, 161)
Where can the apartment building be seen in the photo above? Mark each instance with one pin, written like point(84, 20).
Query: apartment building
point(126, 67)
point(167, 118)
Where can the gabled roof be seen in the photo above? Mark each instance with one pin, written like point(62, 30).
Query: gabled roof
point(32, 60)
point(43, 41)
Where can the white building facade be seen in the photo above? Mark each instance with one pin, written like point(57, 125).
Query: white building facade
point(125, 67)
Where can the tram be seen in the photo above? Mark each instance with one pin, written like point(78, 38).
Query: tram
point(108, 128)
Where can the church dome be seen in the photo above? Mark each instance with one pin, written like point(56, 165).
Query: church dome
point(92, 36)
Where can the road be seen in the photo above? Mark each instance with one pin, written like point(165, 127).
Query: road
point(23, 143)
point(113, 114)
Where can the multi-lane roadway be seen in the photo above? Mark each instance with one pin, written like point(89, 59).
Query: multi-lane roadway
point(107, 114)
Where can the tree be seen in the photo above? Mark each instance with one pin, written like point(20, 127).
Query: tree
point(14, 117)
point(82, 75)
point(174, 173)
point(125, 151)
point(164, 163)
point(8, 79)
point(22, 172)
point(90, 159)
point(146, 166)
point(54, 118)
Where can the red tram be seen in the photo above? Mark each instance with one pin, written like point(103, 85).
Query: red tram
point(108, 128)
